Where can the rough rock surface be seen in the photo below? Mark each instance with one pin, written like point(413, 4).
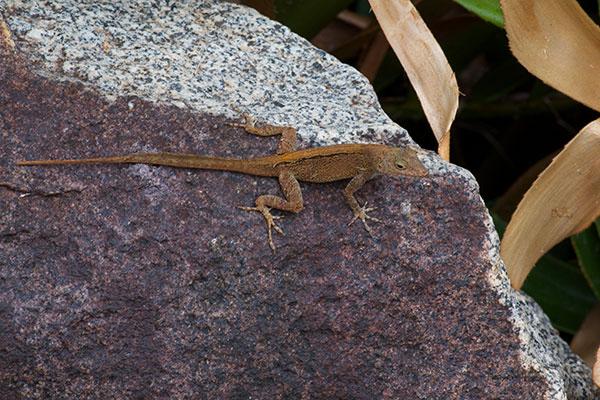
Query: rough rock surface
point(147, 282)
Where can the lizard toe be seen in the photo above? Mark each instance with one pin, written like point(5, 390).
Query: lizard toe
point(363, 216)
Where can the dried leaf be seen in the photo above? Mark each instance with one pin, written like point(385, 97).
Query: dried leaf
point(564, 200)
point(587, 340)
point(557, 42)
point(424, 63)
point(370, 62)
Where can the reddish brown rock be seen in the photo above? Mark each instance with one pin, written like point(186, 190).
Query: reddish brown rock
point(135, 281)
point(147, 281)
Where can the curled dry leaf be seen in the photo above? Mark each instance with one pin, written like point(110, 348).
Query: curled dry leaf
point(586, 341)
point(564, 200)
point(424, 63)
point(557, 42)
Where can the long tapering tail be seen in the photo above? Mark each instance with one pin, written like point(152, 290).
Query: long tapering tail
point(80, 161)
point(253, 167)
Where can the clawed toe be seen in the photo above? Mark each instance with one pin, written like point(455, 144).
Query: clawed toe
point(266, 212)
point(363, 216)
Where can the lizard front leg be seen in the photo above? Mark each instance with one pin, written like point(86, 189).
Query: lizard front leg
point(359, 212)
point(292, 202)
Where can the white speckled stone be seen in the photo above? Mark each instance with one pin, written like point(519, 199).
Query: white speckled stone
point(205, 55)
point(210, 56)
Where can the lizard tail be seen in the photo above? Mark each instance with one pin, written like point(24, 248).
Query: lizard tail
point(80, 161)
point(171, 159)
point(253, 167)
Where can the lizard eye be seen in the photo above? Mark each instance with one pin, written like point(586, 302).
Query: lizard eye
point(399, 165)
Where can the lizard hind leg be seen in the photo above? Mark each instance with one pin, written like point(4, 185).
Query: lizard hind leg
point(289, 138)
point(270, 218)
point(292, 203)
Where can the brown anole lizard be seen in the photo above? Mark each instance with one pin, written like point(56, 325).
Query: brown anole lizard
point(357, 162)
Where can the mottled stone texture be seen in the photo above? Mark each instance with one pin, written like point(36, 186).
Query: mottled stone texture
point(136, 281)
point(146, 281)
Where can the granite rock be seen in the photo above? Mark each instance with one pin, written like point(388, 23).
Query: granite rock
point(136, 281)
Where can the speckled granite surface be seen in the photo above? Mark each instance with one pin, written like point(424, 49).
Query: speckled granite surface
point(204, 55)
point(147, 282)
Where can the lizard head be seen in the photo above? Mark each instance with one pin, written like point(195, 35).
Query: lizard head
point(402, 161)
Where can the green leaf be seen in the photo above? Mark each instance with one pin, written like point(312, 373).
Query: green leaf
point(587, 249)
point(562, 292)
point(499, 223)
point(488, 10)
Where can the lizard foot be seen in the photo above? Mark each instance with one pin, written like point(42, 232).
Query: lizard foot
point(266, 212)
point(362, 215)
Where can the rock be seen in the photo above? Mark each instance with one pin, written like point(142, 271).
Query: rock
point(141, 281)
